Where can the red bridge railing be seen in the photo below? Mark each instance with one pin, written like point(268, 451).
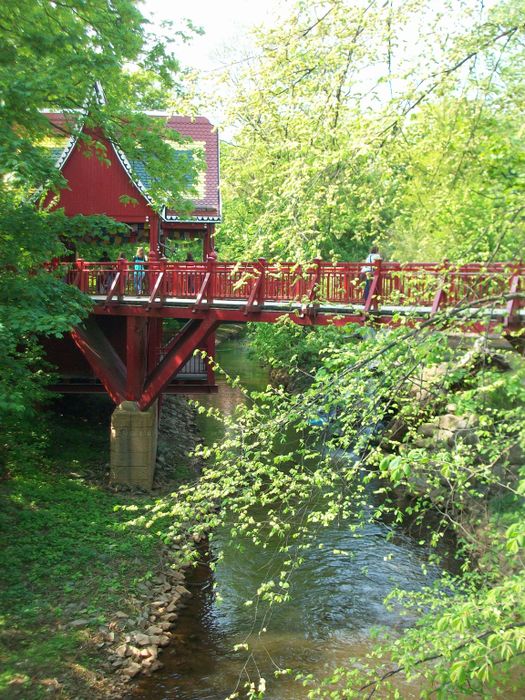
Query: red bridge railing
point(258, 284)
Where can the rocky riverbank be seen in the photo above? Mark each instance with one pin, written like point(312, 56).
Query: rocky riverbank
point(91, 589)
point(135, 642)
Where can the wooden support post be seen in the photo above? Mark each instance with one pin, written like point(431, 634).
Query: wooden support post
point(136, 355)
point(154, 237)
point(208, 243)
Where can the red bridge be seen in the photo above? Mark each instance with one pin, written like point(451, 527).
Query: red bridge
point(482, 297)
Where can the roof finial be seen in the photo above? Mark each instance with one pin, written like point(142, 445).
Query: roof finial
point(99, 93)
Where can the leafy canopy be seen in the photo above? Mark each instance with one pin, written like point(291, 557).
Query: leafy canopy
point(398, 123)
point(53, 53)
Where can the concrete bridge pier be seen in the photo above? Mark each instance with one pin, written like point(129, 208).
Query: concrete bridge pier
point(133, 445)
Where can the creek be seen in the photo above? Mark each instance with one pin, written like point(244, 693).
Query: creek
point(336, 601)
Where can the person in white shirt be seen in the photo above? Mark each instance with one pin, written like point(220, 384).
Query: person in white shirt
point(368, 269)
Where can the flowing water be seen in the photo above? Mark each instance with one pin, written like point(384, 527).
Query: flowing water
point(336, 601)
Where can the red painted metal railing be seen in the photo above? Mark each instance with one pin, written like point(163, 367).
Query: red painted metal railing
point(253, 285)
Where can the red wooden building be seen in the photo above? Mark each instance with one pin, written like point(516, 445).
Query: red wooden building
point(118, 186)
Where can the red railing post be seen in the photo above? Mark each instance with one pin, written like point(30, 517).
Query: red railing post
point(316, 282)
point(261, 295)
point(123, 276)
point(378, 274)
point(346, 285)
point(211, 261)
point(441, 294)
point(83, 276)
point(164, 284)
point(151, 271)
point(299, 283)
point(513, 303)
point(396, 283)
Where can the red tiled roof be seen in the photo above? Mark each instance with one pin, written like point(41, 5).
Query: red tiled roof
point(200, 129)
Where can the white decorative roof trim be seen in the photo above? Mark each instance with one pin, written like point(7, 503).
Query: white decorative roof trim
point(100, 97)
point(68, 150)
point(123, 159)
point(99, 93)
point(83, 112)
point(210, 219)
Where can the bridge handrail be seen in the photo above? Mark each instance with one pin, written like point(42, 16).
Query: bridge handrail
point(253, 283)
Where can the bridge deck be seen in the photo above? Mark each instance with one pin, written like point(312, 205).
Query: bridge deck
point(296, 307)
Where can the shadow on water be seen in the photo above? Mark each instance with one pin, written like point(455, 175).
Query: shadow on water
point(335, 600)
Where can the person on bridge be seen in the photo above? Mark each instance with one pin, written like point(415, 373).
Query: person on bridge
point(139, 261)
point(367, 272)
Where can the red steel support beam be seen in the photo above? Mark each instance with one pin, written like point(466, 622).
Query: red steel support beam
point(102, 357)
point(193, 334)
point(210, 350)
point(154, 342)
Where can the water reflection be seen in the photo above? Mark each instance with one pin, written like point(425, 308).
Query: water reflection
point(335, 599)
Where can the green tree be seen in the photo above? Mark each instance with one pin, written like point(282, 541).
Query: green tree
point(53, 53)
point(349, 131)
